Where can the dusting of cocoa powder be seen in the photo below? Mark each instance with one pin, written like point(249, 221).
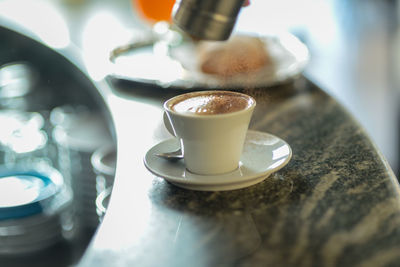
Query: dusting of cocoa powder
point(208, 104)
point(239, 55)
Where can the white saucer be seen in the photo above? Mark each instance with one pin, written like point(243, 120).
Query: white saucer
point(263, 154)
point(289, 56)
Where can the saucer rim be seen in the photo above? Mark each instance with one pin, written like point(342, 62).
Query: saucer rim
point(199, 182)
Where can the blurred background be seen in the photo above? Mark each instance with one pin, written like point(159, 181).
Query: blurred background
point(354, 48)
point(353, 44)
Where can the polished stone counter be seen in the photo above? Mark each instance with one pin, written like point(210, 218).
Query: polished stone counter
point(337, 202)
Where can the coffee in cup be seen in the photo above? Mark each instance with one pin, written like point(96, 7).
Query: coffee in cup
point(211, 127)
point(210, 104)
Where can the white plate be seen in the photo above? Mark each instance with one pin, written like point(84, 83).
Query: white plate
point(263, 154)
point(181, 70)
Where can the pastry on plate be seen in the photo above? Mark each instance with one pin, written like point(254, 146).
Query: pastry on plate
point(241, 54)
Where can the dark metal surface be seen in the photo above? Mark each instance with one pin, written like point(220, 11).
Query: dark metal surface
point(207, 19)
point(60, 81)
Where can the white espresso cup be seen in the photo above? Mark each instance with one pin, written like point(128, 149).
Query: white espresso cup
point(211, 127)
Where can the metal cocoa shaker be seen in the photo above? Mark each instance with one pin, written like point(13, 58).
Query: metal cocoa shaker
point(207, 19)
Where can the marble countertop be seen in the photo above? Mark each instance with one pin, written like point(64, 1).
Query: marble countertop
point(337, 202)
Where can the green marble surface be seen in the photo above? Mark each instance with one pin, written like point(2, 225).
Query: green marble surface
point(336, 203)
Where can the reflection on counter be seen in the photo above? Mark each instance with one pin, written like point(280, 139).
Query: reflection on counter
point(104, 161)
point(78, 133)
point(35, 207)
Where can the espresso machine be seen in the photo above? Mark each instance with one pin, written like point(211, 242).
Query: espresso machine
point(207, 19)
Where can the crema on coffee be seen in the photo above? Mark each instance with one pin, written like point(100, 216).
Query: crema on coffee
point(218, 102)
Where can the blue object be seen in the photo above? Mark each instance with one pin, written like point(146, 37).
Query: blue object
point(27, 192)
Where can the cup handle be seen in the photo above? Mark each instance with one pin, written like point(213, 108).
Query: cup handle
point(168, 124)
